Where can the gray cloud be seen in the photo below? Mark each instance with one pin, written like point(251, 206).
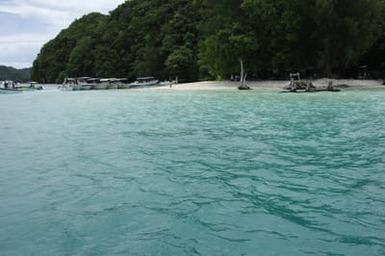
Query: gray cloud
point(17, 24)
point(25, 25)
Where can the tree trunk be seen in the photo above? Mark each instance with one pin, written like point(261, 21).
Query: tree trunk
point(243, 77)
point(242, 71)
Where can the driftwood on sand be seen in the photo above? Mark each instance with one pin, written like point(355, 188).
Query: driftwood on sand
point(298, 85)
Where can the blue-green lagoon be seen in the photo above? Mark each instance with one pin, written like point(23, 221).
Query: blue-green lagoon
point(146, 172)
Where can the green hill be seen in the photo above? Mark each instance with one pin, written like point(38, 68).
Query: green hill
point(17, 75)
point(200, 39)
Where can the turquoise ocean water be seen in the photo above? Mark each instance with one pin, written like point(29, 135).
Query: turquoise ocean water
point(192, 173)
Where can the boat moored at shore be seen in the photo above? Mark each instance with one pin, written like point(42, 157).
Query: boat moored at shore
point(76, 84)
point(144, 82)
point(116, 83)
point(7, 87)
point(88, 83)
point(29, 86)
point(97, 84)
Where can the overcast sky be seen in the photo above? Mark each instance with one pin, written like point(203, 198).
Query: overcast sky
point(26, 25)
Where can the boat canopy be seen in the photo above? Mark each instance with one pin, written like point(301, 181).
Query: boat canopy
point(102, 80)
point(145, 79)
point(94, 80)
point(109, 80)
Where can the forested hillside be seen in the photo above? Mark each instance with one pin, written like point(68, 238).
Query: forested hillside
point(17, 75)
point(201, 39)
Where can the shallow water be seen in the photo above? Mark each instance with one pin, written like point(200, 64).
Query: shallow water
point(192, 173)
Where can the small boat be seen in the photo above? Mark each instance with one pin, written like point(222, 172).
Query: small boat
point(29, 86)
point(122, 83)
point(76, 84)
point(8, 87)
point(83, 87)
point(144, 82)
point(8, 91)
point(112, 83)
point(167, 83)
point(97, 84)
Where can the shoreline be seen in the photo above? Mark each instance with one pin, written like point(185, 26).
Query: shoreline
point(274, 85)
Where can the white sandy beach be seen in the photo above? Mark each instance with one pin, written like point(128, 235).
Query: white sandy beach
point(345, 84)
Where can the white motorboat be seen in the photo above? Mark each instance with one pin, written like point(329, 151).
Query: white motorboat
point(144, 82)
point(7, 87)
point(76, 84)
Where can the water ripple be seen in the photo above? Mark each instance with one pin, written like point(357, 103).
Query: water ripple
point(193, 173)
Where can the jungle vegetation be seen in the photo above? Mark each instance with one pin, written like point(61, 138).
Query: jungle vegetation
point(207, 39)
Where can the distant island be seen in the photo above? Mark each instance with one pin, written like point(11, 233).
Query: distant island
point(17, 75)
point(202, 40)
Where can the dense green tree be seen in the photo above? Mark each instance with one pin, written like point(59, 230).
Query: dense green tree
point(284, 29)
point(56, 57)
point(230, 44)
point(195, 39)
point(345, 29)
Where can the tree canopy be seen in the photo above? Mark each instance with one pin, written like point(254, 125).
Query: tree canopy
point(201, 39)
